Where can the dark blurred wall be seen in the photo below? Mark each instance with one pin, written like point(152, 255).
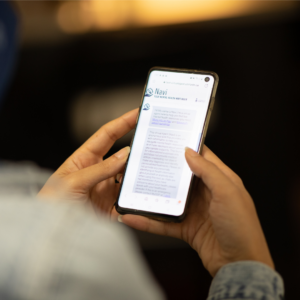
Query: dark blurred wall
point(258, 127)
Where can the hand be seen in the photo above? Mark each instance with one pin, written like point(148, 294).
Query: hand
point(85, 176)
point(221, 222)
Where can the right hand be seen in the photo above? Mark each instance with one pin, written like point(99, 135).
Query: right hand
point(221, 222)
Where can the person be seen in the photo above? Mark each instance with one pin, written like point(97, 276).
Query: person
point(63, 244)
point(221, 224)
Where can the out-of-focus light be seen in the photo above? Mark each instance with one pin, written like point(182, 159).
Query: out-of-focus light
point(109, 15)
point(82, 16)
point(153, 12)
point(72, 19)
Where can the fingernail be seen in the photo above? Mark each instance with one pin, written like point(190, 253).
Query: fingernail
point(121, 178)
point(123, 153)
point(120, 218)
point(118, 178)
point(190, 151)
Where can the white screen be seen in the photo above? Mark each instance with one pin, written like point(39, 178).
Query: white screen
point(172, 117)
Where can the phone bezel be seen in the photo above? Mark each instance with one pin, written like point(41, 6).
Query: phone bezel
point(159, 216)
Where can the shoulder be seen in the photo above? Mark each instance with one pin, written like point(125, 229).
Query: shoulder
point(66, 251)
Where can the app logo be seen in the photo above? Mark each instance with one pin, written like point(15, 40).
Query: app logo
point(161, 92)
point(149, 92)
point(146, 106)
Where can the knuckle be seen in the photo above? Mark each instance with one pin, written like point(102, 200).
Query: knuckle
point(110, 133)
point(230, 191)
point(69, 182)
point(238, 179)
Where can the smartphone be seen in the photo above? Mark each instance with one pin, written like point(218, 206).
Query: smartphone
point(174, 114)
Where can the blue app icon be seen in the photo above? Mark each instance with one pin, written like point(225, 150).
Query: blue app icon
point(146, 106)
point(149, 92)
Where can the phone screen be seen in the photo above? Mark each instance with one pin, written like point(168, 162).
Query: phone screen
point(172, 117)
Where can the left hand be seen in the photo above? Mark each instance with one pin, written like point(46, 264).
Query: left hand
point(85, 176)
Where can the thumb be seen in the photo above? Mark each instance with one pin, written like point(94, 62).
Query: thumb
point(86, 178)
point(210, 174)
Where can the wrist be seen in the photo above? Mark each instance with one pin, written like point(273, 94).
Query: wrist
point(263, 257)
point(260, 255)
point(217, 261)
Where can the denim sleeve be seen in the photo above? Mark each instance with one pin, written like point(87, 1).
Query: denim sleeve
point(246, 280)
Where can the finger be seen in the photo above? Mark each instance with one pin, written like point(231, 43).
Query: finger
point(83, 180)
point(211, 175)
point(117, 187)
point(114, 214)
point(118, 178)
point(210, 156)
point(150, 225)
point(104, 138)
point(103, 195)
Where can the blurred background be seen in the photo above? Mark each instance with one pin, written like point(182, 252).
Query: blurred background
point(82, 63)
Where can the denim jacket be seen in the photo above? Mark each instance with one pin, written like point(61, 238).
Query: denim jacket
point(246, 280)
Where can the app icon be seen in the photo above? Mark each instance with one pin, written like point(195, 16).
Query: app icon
point(146, 106)
point(149, 92)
